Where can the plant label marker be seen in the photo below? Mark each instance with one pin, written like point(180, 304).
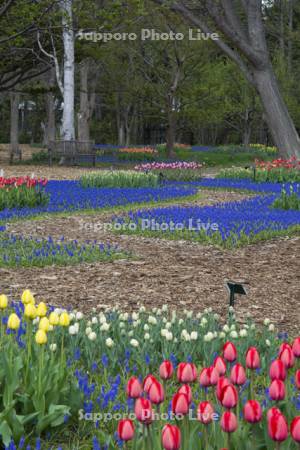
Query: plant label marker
point(235, 288)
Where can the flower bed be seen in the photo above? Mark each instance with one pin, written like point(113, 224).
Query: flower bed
point(18, 251)
point(176, 171)
point(72, 378)
point(278, 170)
point(119, 179)
point(22, 192)
point(288, 199)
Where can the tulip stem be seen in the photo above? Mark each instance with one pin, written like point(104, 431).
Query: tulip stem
point(277, 446)
point(229, 441)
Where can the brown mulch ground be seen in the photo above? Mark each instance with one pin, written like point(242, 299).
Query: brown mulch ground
point(179, 273)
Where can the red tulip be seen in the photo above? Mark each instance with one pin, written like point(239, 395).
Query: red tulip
point(295, 429)
point(126, 429)
point(186, 389)
point(238, 374)
point(229, 352)
point(205, 412)
point(220, 365)
point(166, 370)
point(180, 404)
point(277, 370)
point(208, 377)
point(148, 381)
point(252, 411)
point(229, 396)
point(277, 425)
point(286, 355)
point(296, 347)
point(156, 393)
point(229, 422)
point(297, 379)
point(277, 390)
point(134, 388)
point(252, 358)
point(186, 372)
point(171, 437)
point(143, 410)
point(222, 382)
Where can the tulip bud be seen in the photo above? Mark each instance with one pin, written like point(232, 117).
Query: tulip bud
point(44, 324)
point(41, 309)
point(296, 347)
point(30, 311)
point(222, 382)
point(186, 372)
point(133, 388)
point(277, 425)
point(27, 297)
point(64, 320)
point(3, 301)
point(13, 322)
point(220, 365)
point(166, 370)
point(229, 352)
point(54, 318)
point(125, 430)
point(229, 422)
point(238, 374)
point(171, 437)
point(205, 412)
point(143, 411)
point(186, 389)
point(277, 390)
point(229, 396)
point(252, 358)
point(41, 337)
point(180, 404)
point(147, 382)
point(286, 355)
point(252, 411)
point(277, 370)
point(295, 429)
point(156, 393)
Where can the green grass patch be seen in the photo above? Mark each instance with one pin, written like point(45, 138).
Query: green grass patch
point(119, 178)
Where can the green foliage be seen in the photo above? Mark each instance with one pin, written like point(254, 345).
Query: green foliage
point(276, 175)
point(119, 178)
point(288, 199)
point(21, 196)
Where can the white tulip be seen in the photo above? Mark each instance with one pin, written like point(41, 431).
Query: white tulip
point(168, 325)
point(147, 336)
point(243, 333)
point(233, 334)
point(222, 335)
point(94, 320)
point(109, 342)
point(92, 336)
point(105, 327)
point(180, 321)
point(208, 337)
point(194, 335)
point(226, 328)
point(134, 343)
point(146, 327)
point(73, 330)
point(164, 308)
point(163, 332)
point(130, 333)
point(267, 322)
point(53, 347)
point(135, 316)
point(271, 327)
point(79, 315)
point(268, 343)
point(121, 325)
point(142, 309)
point(88, 330)
point(169, 336)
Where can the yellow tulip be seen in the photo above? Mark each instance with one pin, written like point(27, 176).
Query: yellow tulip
point(30, 311)
point(27, 297)
point(64, 320)
point(3, 301)
point(40, 337)
point(13, 322)
point(54, 318)
point(41, 309)
point(44, 324)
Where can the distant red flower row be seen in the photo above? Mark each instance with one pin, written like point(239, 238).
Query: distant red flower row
point(22, 181)
point(279, 163)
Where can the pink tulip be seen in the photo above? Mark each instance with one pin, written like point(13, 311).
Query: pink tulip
point(252, 358)
point(297, 379)
point(222, 382)
point(277, 426)
point(205, 412)
point(295, 429)
point(148, 381)
point(220, 365)
point(229, 422)
point(277, 370)
point(277, 390)
point(238, 374)
point(229, 396)
point(252, 411)
point(296, 347)
point(156, 393)
point(125, 429)
point(286, 355)
point(186, 389)
point(186, 372)
point(171, 437)
point(166, 370)
point(133, 388)
point(229, 352)
point(180, 404)
point(143, 411)
point(208, 377)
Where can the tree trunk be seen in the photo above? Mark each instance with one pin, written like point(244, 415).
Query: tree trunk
point(50, 111)
point(68, 129)
point(280, 124)
point(171, 134)
point(290, 40)
point(84, 113)
point(14, 125)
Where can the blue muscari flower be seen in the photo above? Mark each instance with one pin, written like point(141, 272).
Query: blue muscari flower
point(94, 367)
point(38, 444)
point(88, 407)
point(104, 360)
point(147, 359)
point(77, 354)
point(96, 445)
point(22, 442)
